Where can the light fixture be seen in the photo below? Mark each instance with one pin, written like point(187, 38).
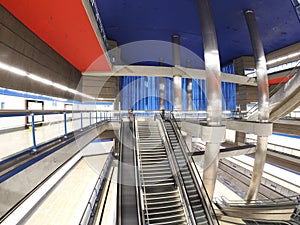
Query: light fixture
point(12, 69)
point(39, 79)
point(279, 59)
point(42, 80)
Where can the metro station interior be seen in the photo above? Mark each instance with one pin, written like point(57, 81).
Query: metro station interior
point(149, 112)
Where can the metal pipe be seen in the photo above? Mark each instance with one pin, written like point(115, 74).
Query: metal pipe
point(214, 92)
point(263, 103)
point(177, 78)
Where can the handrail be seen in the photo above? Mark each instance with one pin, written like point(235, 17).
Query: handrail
point(88, 212)
point(274, 222)
point(293, 73)
point(141, 190)
point(139, 194)
point(119, 188)
point(252, 140)
point(263, 202)
point(184, 149)
point(178, 179)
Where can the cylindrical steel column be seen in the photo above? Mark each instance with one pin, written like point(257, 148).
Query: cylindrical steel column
point(177, 78)
point(214, 93)
point(263, 103)
point(161, 87)
point(261, 67)
point(189, 88)
point(189, 93)
point(176, 50)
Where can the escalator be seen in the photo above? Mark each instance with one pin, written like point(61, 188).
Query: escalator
point(162, 200)
point(283, 101)
point(127, 194)
point(196, 199)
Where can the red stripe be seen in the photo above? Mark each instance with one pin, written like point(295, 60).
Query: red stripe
point(280, 80)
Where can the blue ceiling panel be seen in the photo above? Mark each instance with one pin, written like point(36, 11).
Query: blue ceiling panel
point(128, 21)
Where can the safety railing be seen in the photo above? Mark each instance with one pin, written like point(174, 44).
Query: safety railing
point(289, 74)
point(97, 190)
point(65, 124)
point(259, 210)
point(208, 207)
point(290, 200)
point(277, 148)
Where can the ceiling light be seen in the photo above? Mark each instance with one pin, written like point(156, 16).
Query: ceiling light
point(279, 59)
point(40, 79)
point(13, 69)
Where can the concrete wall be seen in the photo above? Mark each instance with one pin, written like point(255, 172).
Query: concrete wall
point(101, 86)
point(21, 48)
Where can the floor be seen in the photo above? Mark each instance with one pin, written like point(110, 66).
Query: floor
point(68, 200)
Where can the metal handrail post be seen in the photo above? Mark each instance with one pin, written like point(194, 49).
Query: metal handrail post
point(65, 125)
point(34, 149)
point(81, 122)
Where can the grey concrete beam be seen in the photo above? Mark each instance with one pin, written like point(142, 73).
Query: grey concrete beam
point(171, 72)
point(225, 154)
point(252, 127)
point(215, 133)
point(206, 133)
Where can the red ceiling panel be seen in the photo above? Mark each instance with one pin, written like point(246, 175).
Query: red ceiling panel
point(63, 25)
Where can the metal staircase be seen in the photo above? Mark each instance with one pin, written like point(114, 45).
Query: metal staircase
point(193, 194)
point(161, 196)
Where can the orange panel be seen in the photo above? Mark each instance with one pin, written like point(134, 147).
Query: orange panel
point(63, 25)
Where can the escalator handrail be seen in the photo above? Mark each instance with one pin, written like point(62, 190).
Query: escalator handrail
point(97, 191)
point(139, 193)
point(184, 150)
point(293, 73)
point(175, 169)
point(119, 188)
point(268, 202)
point(141, 190)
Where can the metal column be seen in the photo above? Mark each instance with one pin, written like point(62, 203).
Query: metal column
point(214, 93)
point(263, 103)
point(177, 78)
point(189, 88)
point(189, 93)
point(161, 87)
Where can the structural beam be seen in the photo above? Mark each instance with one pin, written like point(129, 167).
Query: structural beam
point(161, 71)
